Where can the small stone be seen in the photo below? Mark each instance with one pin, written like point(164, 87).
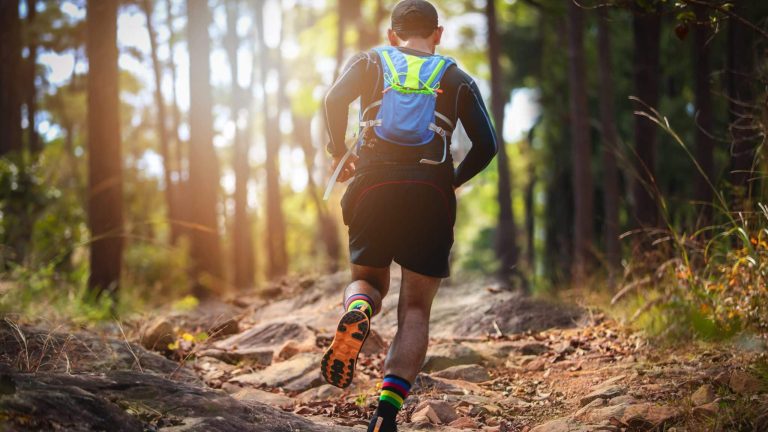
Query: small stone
point(374, 344)
point(463, 423)
point(704, 395)
point(533, 348)
point(590, 406)
point(536, 365)
point(471, 373)
point(647, 416)
point(744, 383)
point(157, 335)
point(227, 328)
point(605, 392)
point(290, 373)
point(425, 415)
point(322, 393)
point(622, 400)
point(708, 410)
point(443, 411)
point(443, 356)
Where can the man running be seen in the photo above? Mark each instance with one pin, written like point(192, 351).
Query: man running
point(401, 204)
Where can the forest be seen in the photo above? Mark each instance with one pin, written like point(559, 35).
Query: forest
point(166, 160)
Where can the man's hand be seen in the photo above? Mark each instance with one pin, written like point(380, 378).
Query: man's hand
point(348, 171)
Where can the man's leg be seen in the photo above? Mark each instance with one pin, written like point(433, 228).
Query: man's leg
point(362, 300)
point(408, 349)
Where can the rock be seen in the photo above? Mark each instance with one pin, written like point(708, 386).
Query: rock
point(296, 370)
point(622, 400)
point(424, 383)
point(321, 393)
point(471, 373)
point(745, 383)
point(270, 336)
point(647, 416)
point(590, 406)
point(437, 411)
point(463, 423)
point(704, 395)
point(250, 395)
point(707, 410)
point(561, 425)
point(292, 347)
point(605, 392)
point(226, 328)
point(130, 401)
point(305, 382)
point(604, 414)
point(533, 348)
point(425, 415)
point(536, 365)
point(256, 356)
point(443, 356)
point(158, 334)
point(374, 344)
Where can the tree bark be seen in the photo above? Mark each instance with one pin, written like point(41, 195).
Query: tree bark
point(610, 147)
point(162, 131)
point(203, 162)
point(507, 251)
point(744, 130)
point(704, 115)
point(583, 233)
point(647, 33)
point(242, 248)
point(277, 264)
point(10, 67)
point(35, 145)
point(105, 176)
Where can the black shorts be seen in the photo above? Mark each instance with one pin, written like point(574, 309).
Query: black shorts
point(405, 214)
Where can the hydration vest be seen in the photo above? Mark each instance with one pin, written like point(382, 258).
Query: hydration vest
point(406, 115)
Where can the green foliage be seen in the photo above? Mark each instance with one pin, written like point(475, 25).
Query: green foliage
point(155, 273)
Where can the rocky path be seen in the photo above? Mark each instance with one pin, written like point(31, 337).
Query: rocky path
point(497, 362)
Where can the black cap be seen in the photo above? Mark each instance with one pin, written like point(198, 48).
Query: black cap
point(414, 16)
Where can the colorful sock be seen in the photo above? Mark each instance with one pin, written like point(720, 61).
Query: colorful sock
point(394, 390)
point(360, 302)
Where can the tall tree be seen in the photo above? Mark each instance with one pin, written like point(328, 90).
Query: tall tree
point(610, 135)
point(203, 163)
point(507, 250)
point(105, 174)
point(744, 130)
point(705, 144)
point(10, 66)
point(646, 25)
point(277, 256)
point(30, 74)
point(242, 247)
point(580, 145)
point(161, 125)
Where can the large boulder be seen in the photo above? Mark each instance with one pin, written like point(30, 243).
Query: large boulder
point(443, 356)
point(132, 401)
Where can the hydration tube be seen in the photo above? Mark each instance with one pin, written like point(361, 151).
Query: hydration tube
point(336, 172)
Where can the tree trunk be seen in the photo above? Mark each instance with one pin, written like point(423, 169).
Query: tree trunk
point(105, 176)
point(10, 66)
point(647, 34)
point(341, 29)
point(506, 238)
point(610, 147)
point(583, 233)
point(35, 145)
point(277, 264)
point(203, 163)
point(162, 131)
point(704, 116)
point(242, 248)
point(744, 130)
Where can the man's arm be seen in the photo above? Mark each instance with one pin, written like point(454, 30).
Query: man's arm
point(476, 121)
point(344, 91)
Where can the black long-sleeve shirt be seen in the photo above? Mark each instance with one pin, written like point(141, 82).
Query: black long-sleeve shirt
point(460, 100)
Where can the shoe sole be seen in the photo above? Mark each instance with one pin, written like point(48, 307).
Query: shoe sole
point(338, 364)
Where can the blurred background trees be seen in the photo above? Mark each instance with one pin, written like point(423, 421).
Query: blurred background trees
point(182, 141)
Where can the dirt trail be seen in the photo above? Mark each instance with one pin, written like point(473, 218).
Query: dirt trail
point(497, 362)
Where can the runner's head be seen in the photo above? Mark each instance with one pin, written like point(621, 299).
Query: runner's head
point(415, 20)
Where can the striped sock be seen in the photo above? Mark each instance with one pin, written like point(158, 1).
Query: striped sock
point(359, 302)
point(394, 390)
